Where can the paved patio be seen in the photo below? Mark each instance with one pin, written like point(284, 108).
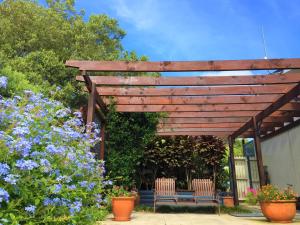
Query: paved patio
point(145, 218)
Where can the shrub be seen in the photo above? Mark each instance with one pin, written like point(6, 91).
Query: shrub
point(47, 173)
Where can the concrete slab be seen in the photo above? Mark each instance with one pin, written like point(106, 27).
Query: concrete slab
point(147, 218)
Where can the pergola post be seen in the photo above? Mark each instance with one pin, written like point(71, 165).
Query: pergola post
point(102, 144)
point(259, 161)
point(91, 105)
point(232, 171)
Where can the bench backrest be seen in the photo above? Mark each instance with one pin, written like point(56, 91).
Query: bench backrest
point(165, 186)
point(203, 187)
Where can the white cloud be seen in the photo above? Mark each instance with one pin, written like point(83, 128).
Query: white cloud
point(139, 13)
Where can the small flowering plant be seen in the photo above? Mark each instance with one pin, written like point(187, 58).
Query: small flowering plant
point(120, 191)
point(48, 174)
point(251, 196)
point(273, 193)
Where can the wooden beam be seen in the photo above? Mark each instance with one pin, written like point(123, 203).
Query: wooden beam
point(169, 66)
point(192, 108)
point(200, 125)
point(195, 91)
point(259, 161)
point(194, 81)
point(161, 130)
point(204, 120)
point(214, 125)
point(188, 100)
point(91, 105)
point(281, 130)
point(102, 107)
point(292, 106)
point(290, 95)
point(233, 171)
point(231, 114)
point(285, 114)
point(195, 133)
point(280, 119)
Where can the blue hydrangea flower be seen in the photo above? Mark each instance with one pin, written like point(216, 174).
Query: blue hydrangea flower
point(26, 164)
point(3, 82)
point(57, 188)
point(91, 186)
point(75, 207)
point(21, 131)
point(4, 196)
point(55, 150)
point(63, 112)
point(11, 178)
point(83, 183)
point(30, 208)
point(4, 169)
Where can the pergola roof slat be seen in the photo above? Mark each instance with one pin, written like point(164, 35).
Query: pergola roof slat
point(195, 91)
point(192, 108)
point(193, 81)
point(167, 66)
point(193, 100)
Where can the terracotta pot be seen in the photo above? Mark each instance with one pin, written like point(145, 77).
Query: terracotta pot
point(280, 211)
point(122, 208)
point(228, 201)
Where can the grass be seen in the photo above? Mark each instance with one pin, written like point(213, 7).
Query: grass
point(186, 209)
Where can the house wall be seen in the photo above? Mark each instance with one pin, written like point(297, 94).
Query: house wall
point(281, 155)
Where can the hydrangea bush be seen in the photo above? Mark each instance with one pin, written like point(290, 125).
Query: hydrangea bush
point(47, 173)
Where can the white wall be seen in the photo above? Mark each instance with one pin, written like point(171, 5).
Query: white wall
point(282, 156)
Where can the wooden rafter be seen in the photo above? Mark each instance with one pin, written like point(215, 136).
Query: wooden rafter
point(188, 100)
point(167, 66)
point(194, 81)
point(290, 95)
point(195, 91)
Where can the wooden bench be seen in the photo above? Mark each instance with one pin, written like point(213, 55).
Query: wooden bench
point(204, 192)
point(165, 190)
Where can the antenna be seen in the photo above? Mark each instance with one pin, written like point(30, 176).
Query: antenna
point(264, 42)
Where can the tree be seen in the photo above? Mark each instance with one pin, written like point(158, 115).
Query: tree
point(36, 41)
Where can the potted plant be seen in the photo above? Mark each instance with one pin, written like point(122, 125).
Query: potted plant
point(122, 203)
point(277, 205)
point(228, 200)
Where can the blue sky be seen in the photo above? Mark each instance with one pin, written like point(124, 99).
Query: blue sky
point(204, 30)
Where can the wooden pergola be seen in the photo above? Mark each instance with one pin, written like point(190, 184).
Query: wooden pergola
point(255, 106)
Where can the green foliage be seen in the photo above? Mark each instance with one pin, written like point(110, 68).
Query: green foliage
point(250, 198)
point(37, 41)
point(128, 133)
point(238, 147)
point(17, 83)
point(183, 157)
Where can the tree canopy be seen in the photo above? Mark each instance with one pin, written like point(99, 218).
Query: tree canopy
point(37, 40)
